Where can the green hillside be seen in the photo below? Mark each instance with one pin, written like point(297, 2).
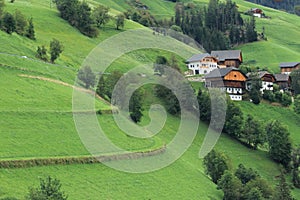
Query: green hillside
point(282, 32)
point(36, 118)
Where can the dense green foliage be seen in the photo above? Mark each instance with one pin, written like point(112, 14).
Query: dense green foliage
point(107, 83)
point(230, 185)
point(29, 116)
point(120, 20)
point(209, 28)
point(136, 106)
point(245, 175)
point(295, 76)
point(56, 48)
point(101, 15)
point(216, 163)
point(280, 147)
point(49, 189)
point(244, 184)
point(253, 132)
point(87, 76)
point(295, 167)
point(79, 15)
point(297, 104)
point(8, 23)
point(283, 190)
point(234, 120)
point(255, 94)
point(16, 22)
point(41, 53)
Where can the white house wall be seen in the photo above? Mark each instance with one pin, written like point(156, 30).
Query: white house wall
point(202, 67)
point(266, 86)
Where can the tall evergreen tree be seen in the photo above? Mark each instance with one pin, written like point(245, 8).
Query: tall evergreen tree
point(251, 33)
point(295, 76)
point(30, 33)
point(135, 106)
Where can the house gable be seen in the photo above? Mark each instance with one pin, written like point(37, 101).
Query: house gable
point(235, 75)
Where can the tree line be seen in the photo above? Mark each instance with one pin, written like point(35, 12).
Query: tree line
point(218, 26)
point(251, 131)
point(88, 21)
point(242, 183)
point(16, 22)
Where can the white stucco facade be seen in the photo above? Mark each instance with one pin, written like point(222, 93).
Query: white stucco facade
point(204, 66)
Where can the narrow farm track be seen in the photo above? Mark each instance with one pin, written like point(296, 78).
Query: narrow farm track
point(65, 84)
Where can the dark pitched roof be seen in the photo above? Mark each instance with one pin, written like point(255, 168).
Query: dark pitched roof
point(288, 64)
point(218, 73)
point(226, 55)
point(260, 74)
point(197, 57)
point(282, 77)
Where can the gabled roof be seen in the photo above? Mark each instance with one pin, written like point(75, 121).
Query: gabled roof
point(227, 55)
point(197, 57)
point(260, 74)
point(288, 64)
point(220, 73)
point(282, 77)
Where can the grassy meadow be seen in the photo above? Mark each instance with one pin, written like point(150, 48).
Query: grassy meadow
point(36, 119)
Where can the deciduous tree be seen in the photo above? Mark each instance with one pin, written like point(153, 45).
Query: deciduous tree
point(231, 186)
point(280, 146)
point(297, 104)
point(216, 164)
point(234, 120)
point(41, 53)
point(49, 189)
point(56, 48)
point(253, 132)
point(8, 23)
point(101, 16)
point(283, 189)
point(21, 23)
point(87, 76)
point(120, 21)
point(245, 175)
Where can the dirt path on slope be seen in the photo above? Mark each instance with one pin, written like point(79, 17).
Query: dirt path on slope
point(65, 84)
